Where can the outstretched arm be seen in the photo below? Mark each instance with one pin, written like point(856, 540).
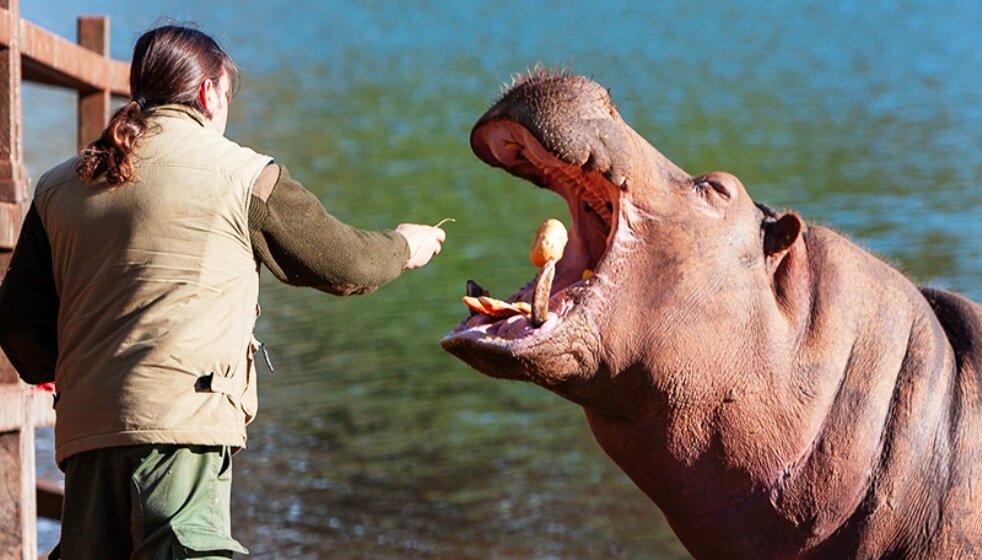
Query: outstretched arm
point(303, 245)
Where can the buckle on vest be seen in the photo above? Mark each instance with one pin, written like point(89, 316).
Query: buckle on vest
point(213, 383)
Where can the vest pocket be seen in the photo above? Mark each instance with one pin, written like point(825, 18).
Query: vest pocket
point(250, 396)
point(195, 542)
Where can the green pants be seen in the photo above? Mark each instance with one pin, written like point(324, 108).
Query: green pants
point(148, 502)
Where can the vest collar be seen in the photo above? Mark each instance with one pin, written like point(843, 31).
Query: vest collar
point(174, 110)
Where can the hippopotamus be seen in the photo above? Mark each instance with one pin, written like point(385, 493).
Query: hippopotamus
point(776, 390)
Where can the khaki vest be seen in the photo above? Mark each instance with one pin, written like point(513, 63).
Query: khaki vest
point(158, 289)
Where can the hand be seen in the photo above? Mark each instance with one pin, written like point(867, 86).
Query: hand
point(424, 242)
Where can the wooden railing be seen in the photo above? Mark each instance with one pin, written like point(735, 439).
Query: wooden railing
point(30, 53)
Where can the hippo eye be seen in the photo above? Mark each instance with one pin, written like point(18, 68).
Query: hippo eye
point(702, 183)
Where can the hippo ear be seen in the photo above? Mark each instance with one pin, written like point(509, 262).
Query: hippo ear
point(787, 263)
point(780, 236)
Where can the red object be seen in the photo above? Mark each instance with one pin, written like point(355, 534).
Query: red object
point(42, 388)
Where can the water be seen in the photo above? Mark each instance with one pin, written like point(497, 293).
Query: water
point(373, 443)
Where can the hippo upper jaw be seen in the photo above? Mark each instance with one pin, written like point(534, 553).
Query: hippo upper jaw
point(589, 165)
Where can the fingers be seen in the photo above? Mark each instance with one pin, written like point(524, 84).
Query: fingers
point(425, 242)
point(433, 245)
point(440, 234)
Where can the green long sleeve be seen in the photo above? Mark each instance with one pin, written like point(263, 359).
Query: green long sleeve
point(29, 305)
point(303, 245)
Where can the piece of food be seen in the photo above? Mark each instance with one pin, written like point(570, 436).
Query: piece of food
point(549, 242)
point(496, 307)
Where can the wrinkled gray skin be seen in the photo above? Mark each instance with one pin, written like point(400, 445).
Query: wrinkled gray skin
point(776, 390)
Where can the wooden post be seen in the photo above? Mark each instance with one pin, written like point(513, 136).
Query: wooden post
point(18, 539)
point(18, 514)
point(13, 175)
point(93, 106)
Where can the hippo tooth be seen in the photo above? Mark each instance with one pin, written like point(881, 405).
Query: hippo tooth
point(541, 293)
point(475, 290)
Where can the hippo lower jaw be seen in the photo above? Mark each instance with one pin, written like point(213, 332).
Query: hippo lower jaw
point(504, 347)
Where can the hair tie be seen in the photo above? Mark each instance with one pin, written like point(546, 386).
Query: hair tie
point(141, 102)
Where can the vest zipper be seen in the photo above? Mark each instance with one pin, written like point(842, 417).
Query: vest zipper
point(269, 363)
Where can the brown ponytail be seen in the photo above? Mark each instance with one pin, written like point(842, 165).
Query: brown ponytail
point(110, 154)
point(169, 65)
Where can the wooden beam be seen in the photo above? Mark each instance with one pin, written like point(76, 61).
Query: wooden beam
point(50, 499)
point(11, 213)
point(44, 410)
point(4, 27)
point(11, 406)
point(12, 402)
point(54, 60)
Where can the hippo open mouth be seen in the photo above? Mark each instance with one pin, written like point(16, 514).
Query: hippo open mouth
point(594, 204)
point(562, 132)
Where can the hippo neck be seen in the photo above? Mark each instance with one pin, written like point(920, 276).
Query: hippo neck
point(888, 425)
point(780, 470)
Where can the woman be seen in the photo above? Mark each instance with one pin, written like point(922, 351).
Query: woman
point(134, 286)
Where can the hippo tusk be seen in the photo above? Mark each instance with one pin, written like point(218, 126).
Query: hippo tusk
point(542, 292)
